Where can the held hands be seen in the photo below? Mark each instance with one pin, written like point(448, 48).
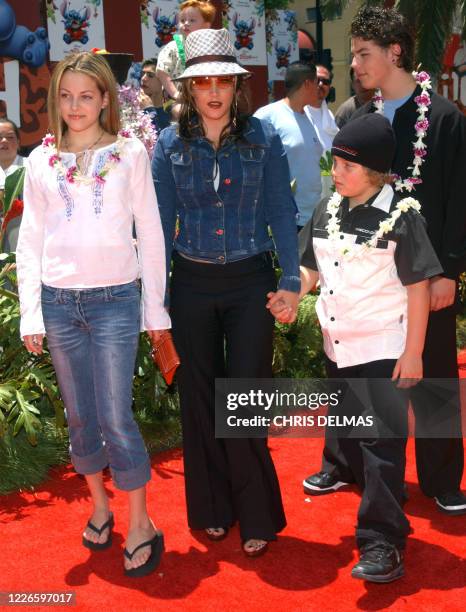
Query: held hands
point(408, 370)
point(442, 292)
point(34, 343)
point(283, 305)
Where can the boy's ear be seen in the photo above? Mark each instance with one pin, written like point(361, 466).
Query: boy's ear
point(396, 51)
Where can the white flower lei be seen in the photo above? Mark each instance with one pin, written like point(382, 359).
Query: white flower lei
point(73, 174)
point(422, 124)
point(333, 225)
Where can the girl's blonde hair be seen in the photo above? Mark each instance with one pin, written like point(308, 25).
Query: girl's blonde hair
point(96, 67)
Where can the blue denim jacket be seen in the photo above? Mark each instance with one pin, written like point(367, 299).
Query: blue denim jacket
point(231, 223)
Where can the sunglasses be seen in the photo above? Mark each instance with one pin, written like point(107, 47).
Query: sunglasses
point(205, 83)
point(324, 81)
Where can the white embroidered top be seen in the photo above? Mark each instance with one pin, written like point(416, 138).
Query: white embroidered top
point(78, 235)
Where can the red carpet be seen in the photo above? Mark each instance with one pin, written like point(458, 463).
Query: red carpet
point(307, 569)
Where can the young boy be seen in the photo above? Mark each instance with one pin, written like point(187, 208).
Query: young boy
point(430, 159)
point(370, 251)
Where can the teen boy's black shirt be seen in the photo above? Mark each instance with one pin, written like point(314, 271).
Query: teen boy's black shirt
point(442, 194)
point(362, 306)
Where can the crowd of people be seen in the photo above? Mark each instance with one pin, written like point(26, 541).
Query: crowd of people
point(208, 211)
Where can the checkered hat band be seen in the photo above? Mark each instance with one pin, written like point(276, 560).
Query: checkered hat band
point(211, 58)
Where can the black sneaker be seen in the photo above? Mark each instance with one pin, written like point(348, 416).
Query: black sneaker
point(322, 483)
point(451, 503)
point(379, 561)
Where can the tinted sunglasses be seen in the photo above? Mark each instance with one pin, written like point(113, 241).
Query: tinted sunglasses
point(324, 81)
point(204, 83)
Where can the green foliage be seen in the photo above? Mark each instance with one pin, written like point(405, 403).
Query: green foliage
point(326, 164)
point(277, 4)
point(14, 184)
point(298, 349)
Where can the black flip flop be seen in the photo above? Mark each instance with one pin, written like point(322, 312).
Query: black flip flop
point(108, 542)
point(157, 547)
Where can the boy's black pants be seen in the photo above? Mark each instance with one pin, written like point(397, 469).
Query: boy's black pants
point(439, 461)
point(377, 464)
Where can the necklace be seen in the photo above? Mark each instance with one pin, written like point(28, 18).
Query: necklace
point(73, 174)
point(89, 148)
point(421, 126)
point(385, 226)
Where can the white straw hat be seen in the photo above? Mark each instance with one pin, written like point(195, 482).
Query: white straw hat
point(210, 53)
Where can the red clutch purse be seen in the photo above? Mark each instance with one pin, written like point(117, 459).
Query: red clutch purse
point(165, 356)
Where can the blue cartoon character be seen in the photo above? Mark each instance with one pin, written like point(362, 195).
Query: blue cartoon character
point(282, 55)
point(75, 22)
point(290, 20)
point(244, 32)
point(20, 43)
point(164, 26)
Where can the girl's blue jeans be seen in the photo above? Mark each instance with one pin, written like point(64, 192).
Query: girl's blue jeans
point(93, 337)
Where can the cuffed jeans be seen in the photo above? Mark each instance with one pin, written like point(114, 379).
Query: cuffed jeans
point(93, 337)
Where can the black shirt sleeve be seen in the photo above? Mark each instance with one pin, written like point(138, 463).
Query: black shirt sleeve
point(306, 248)
point(415, 258)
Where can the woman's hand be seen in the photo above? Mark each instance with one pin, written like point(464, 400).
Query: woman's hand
point(155, 334)
point(408, 370)
point(283, 305)
point(33, 343)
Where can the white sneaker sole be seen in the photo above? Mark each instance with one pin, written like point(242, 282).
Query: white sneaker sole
point(453, 510)
point(314, 490)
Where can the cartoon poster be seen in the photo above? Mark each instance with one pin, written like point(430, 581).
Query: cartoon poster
point(245, 21)
point(74, 25)
point(282, 42)
point(159, 21)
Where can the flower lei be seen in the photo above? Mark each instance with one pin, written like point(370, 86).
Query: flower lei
point(333, 225)
point(72, 174)
point(421, 126)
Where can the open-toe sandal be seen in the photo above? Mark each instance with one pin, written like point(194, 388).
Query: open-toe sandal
point(257, 550)
point(109, 524)
point(212, 533)
point(157, 547)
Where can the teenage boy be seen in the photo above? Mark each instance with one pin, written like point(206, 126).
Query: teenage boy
point(369, 248)
point(431, 136)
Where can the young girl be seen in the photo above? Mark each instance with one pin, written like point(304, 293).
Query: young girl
point(194, 15)
point(369, 249)
point(79, 284)
point(226, 177)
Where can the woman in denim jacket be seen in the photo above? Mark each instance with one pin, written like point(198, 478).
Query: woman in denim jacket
point(225, 177)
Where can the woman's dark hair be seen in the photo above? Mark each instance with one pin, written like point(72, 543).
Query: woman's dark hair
point(385, 27)
point(13, 125)
point(189, 124)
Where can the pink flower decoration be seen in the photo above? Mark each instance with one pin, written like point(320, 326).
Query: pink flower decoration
point(420, 152)
point(53, 160)
point(48, 140)
point(70, 174)
point(99, 179)
point(422, 125)
point(422, 76)
point(414, 181)
point(422, 99)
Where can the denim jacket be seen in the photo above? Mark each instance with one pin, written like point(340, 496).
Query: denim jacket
point(231, 223)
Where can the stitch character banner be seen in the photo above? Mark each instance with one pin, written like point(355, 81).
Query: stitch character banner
point(282, 43)
point(159, 21)
point(246, 23)
point(74, 25)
